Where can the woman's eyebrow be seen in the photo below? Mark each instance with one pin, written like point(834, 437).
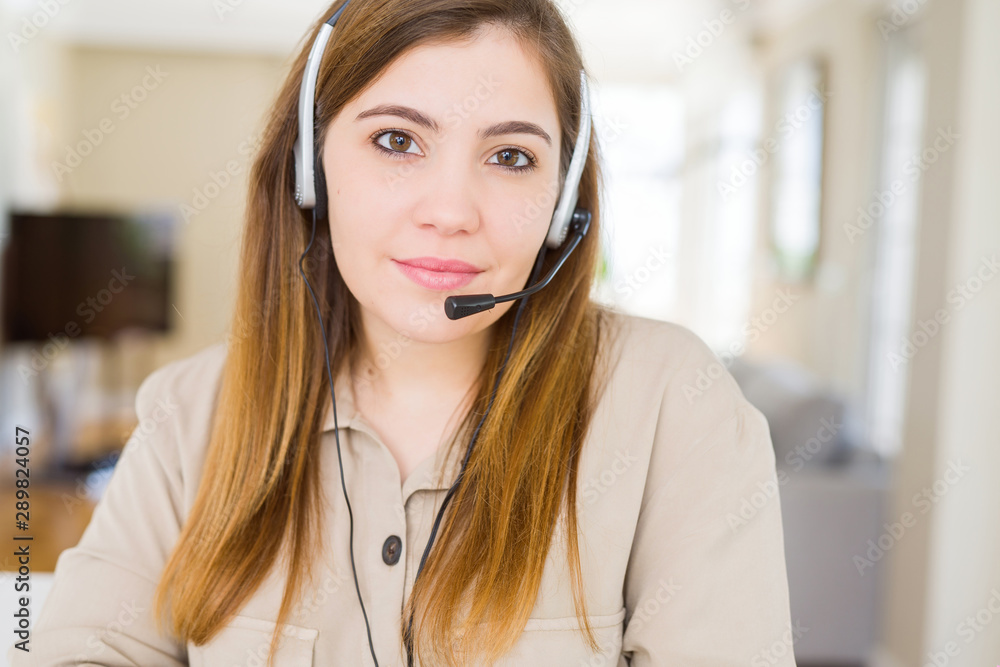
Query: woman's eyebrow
point(514, 127)
point(414, 116)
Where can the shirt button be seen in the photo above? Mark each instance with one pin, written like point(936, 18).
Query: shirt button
point(391, 549)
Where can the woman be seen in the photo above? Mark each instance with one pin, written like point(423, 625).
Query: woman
point(567, 489)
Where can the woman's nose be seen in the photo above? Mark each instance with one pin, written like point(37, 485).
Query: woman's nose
point(449, 201)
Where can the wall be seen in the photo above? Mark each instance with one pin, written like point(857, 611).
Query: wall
point(199, 112)
point(826, 329)
point(945, 571)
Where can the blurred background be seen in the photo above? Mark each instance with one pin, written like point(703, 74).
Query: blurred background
point(809, 185)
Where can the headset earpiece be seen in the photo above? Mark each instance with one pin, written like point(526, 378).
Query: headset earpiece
point(570, 191)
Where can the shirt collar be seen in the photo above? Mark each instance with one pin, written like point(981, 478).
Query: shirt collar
point(425, 475)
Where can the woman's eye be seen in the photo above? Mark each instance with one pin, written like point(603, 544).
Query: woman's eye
point(397, 142)
point(511, 158)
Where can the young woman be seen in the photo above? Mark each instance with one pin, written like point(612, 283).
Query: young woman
point(571, 484)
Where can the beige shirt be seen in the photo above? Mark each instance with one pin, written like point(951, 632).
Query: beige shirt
point(682, 550)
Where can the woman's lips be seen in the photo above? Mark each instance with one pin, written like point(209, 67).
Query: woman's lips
point(437, 274)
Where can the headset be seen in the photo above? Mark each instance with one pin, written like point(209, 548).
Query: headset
point(310, 193)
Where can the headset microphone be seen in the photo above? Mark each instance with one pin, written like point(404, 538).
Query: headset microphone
point(457, 307)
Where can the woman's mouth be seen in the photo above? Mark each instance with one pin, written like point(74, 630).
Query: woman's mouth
point(437, 274)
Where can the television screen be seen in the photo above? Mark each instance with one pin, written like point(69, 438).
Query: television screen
point(85, 274)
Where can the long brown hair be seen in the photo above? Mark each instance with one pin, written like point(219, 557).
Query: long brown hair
point(260, 497)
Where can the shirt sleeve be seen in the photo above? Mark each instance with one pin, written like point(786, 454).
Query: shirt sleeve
point(707, 584)
point(99, 609)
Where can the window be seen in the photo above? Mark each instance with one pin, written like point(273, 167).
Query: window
point(892, 214)
point(640, 131)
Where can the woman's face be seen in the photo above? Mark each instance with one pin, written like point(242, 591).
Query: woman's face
point(442, 180)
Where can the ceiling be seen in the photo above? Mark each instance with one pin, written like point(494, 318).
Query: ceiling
point(621, 39)
point(636, 28)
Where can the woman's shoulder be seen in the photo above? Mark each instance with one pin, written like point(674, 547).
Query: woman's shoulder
point(669, 361)
point(190, 378)
point(175, 405)
point(659, 343)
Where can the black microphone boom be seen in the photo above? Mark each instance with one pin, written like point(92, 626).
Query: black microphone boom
point(457, 307)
